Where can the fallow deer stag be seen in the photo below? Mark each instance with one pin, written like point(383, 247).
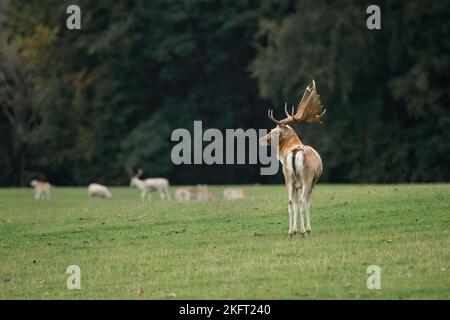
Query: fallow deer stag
point(302, 166)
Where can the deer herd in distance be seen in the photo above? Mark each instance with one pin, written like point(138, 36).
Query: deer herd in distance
point(302, 168)
point(42, 190)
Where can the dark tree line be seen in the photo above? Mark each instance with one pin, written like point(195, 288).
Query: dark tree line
point(79, 106)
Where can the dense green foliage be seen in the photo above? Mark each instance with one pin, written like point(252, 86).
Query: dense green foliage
point(78, 106)
point(130, 249)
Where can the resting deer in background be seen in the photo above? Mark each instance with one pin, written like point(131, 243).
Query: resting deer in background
point(302, 166)
point(204, 193)
point(185, 194)
point(153, 184)
point(199, 193)
point(233, 194)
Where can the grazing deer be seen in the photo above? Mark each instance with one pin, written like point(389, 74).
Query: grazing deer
point(233, 194)
point(42, 190)
point(148, 185)
point(302, 166)
point(97, 190)
point(185, 194)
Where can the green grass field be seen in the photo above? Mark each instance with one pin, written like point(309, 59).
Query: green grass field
point(129, 249)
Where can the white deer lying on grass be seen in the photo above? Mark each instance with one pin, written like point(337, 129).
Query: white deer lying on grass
point(97, 190)
point(233, 194)
point(42, 190)
point(149, 185)
point(199, 193)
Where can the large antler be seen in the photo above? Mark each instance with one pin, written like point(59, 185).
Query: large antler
point(309, 109)
point(129, 171)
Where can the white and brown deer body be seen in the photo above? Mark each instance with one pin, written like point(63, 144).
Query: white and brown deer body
point(302, 165)
point(42, 190)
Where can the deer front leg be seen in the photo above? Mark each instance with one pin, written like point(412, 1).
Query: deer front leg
point(168, 196)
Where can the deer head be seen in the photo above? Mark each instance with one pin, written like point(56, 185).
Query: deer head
point(309, 110)
point(135, 181)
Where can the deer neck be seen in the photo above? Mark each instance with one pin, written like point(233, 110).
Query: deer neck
point(288, 143)
point(139, 183)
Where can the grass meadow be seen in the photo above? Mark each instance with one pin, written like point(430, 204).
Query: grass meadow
point(132, 249)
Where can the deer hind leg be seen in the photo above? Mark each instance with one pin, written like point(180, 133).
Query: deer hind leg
point(302, 210)
point(308, 207)
point(305, 200)
point(295, 207)
point(291, 209)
